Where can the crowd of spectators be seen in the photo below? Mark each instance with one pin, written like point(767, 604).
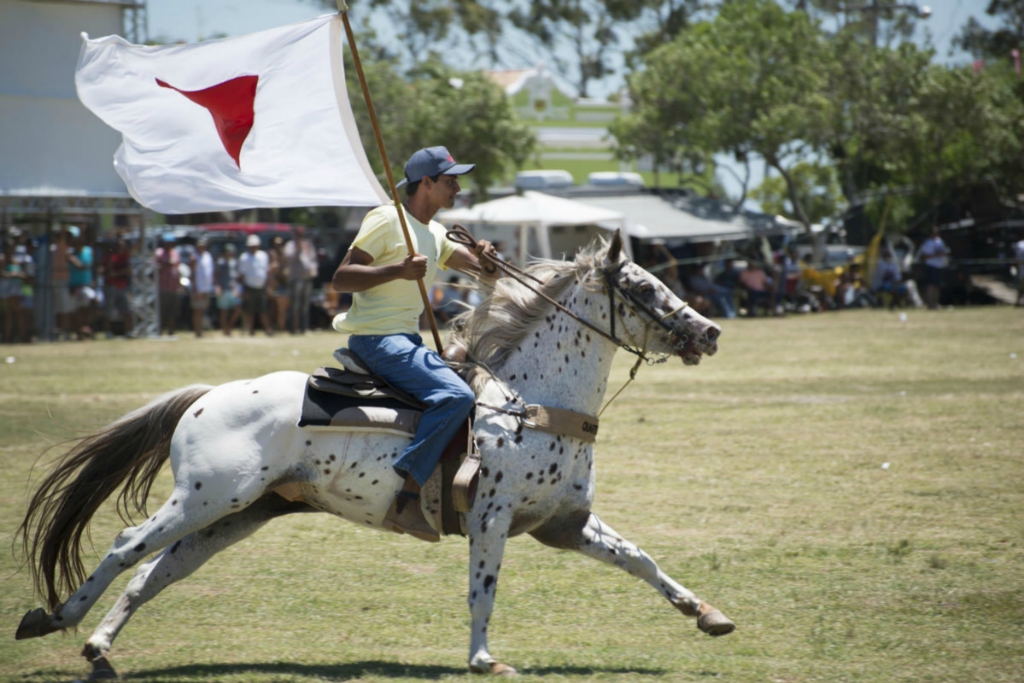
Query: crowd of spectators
point(268, 290)
point(62, 286)
point(73, 289)
point(763, 282)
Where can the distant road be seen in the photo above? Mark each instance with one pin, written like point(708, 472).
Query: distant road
point(602, 155)
point(572, 137)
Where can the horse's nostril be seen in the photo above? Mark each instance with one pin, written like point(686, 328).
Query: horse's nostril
point(712, 333)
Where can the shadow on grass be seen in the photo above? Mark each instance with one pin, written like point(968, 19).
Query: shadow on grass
point(352, 670)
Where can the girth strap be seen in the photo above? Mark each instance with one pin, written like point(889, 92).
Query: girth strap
point(553, 420)
point(559, 421)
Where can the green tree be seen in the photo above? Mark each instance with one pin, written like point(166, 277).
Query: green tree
point(996, 43)
point(582, 40)
point(971, 130)
point(435, 105)
point(874, 104)
point(748, 83)
point(425, 29)
point(659, 21)
point(876, 22)
point(577, 36)
point(817, 188)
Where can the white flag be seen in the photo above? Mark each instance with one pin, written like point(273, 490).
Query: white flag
point(261, 120)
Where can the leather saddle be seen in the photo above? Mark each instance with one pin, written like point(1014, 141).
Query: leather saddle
point(351, 398)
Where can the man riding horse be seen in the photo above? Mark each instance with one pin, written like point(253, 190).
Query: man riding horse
point(383, 321)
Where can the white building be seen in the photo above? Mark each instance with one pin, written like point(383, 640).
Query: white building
point(55, 155)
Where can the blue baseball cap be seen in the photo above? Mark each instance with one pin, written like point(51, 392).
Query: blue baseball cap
point(432, 161)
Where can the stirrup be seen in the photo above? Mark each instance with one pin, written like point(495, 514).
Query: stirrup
point(403, 497)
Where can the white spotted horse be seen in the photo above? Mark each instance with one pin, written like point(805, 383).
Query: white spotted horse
point(233, 448)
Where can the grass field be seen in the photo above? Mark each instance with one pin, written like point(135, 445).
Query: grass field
point(848, 488)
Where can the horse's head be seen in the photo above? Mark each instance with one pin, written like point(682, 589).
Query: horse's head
point(648, 316)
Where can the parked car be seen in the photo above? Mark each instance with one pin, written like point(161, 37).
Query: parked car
point(544, 179)
point(615, 179)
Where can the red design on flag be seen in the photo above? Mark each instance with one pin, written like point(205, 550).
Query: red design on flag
point(231, 105)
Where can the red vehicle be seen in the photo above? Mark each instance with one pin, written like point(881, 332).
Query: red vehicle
point(219, 234)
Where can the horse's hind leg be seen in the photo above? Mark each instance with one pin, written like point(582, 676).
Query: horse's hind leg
point(590, 536)
point(185, 512)
point(174, 564)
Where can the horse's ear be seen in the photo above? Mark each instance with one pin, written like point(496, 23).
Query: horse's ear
point(615, 248)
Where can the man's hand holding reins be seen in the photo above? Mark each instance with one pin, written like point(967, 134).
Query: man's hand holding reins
point(486, 254)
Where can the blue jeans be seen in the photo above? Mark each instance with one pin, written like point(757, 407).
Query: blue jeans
point(405, 362)
point(722, 297)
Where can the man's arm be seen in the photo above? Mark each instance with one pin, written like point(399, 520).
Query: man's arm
point(356, 273)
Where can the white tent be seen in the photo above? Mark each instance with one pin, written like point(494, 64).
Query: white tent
point(537, 224)
point(688, 218)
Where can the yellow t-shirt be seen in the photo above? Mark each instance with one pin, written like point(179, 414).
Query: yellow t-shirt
point(826, 279)
point(394, 307)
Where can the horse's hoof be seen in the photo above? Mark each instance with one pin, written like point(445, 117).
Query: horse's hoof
point(34, 624)
point(499, 669)
point(714, 623)
point(495, 669)
point(102, 670)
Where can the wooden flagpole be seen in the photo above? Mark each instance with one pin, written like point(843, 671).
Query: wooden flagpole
point(343, 10)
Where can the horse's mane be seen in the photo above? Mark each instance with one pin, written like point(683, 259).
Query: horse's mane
point(511, 311)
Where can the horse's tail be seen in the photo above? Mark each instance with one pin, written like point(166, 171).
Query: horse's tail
point(129, 453)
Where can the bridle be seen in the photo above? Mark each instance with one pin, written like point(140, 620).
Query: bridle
point(612, 286)
point(460, 235)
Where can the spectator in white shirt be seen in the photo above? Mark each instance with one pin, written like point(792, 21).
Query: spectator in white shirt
point(253, 268)
point(935, 255)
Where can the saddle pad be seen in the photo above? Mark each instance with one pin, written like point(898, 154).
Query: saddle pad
point(328, 410)
point(359, 386)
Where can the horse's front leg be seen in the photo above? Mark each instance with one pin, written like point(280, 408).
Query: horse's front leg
point(488, 532)
point(590, 536)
